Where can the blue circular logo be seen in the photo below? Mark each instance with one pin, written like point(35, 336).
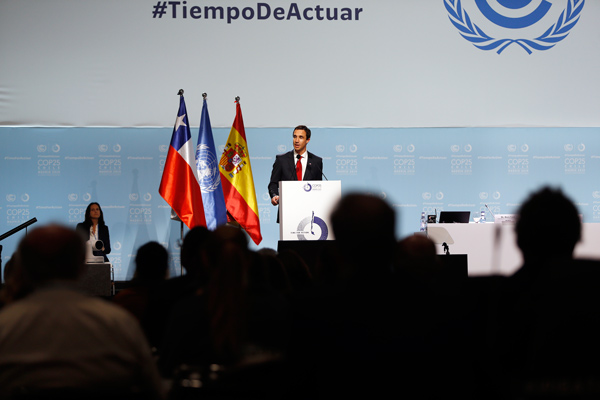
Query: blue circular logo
point(514, 15)
point(315, 224)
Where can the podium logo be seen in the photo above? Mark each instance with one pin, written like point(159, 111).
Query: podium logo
point(312, 228)
point(531, 25)
point(307, 187)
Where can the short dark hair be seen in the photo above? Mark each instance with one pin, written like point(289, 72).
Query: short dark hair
point(303, 128)
point(365, 227)
point(548, 225)
point(52, 252)
point(151, 262)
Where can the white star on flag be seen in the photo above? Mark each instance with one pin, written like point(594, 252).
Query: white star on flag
point(179, 122)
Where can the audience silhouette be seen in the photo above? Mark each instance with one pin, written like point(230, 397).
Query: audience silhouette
point(374, 316)
point(58, 341)
point(544, 319)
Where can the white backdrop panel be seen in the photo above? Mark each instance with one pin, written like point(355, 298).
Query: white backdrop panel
point(399, 64)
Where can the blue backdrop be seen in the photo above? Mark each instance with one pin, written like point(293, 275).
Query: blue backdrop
point(53, 173)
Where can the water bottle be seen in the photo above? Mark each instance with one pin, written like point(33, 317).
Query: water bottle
point(482, 219)
point(423, 222)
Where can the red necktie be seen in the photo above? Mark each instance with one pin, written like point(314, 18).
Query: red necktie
point(299, 168)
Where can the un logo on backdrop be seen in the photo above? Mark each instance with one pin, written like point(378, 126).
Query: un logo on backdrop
point(519, 22)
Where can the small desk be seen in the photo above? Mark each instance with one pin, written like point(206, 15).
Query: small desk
point(492, 248)
point(97, 279)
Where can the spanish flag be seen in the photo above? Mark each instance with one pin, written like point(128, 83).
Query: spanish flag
point(237, 181)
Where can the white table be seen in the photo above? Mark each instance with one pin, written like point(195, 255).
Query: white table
point(492, 248)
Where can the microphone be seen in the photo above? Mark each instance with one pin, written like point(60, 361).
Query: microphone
point(493, 216)
point(322, 173)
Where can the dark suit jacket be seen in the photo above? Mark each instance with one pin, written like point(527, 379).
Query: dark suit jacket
point(102, 235)
point(284, 169)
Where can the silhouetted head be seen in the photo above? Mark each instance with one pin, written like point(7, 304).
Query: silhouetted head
point(364, 227)
point(416, 256)
point(193, 250)
point(51, 252)
point(548, 226)
point(151, 262)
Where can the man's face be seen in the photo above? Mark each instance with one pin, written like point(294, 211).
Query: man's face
point(300, 141)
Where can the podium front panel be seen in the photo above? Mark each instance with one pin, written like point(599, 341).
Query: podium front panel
point(305, 207)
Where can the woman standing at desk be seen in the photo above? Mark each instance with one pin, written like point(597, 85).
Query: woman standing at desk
point(94, 229)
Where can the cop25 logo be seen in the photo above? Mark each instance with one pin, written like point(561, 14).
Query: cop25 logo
point(513, 17)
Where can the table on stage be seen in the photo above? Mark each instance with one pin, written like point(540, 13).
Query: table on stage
point(492, 248)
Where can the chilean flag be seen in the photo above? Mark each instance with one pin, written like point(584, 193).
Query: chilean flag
point(179, 184)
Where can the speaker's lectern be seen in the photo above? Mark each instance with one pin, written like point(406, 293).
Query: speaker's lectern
point(304, 209)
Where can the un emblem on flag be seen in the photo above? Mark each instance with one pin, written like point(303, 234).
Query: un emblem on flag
point(207, 165)
point(531, 24)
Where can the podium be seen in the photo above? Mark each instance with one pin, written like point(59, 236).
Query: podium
point(305, 207)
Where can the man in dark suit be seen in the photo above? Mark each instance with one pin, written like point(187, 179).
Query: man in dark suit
point(295, 165)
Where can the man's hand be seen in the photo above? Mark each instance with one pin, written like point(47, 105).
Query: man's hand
point(275, 200)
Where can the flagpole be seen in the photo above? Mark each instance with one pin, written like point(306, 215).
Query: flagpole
point(180, 93)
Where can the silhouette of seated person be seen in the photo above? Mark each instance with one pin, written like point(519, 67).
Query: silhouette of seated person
point(226, 321)
point(173, 290)
point(57, 338)
point(545, 324)
point(417, 261)
point(345, 329)
point(15, 287)
point(151, 270)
